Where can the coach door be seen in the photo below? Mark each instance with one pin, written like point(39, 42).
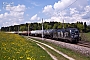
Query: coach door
point(58, 34)
point(55, 34)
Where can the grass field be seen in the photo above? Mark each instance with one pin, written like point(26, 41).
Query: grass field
point(85, 36)
point(69, 52)
point(58, 56)
point(15, 47)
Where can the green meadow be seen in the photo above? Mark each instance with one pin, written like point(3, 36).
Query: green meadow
point(15, 47)
point(71, 53)
point(85, 36)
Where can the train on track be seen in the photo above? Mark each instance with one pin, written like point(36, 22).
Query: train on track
point(68, 34)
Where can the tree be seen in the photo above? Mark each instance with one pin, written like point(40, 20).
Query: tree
point(2, 28)
point(55, 26)
point(60, 25)
point(46, 26)
point(80, 27)
point(49, 27)
point(85, 27)
point(39, 26)
point(22, 28)
point(15, 27)
point(88, 28)
point(35, 26)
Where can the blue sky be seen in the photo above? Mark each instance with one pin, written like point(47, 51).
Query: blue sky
point(14, 12)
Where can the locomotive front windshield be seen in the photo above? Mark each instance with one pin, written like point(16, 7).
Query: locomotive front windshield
point(74, 31)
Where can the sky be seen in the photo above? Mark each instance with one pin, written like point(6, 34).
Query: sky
point(15, 12)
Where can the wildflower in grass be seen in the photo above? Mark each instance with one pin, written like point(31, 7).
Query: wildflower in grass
point(28, 57)
point(3, 44)
point(12, 43)
point(21, 57)
point(42, 56)
point(27, 51)
point(13, 59)
point(8, 57)
point(32, 58)
point(4, 56)
point(17, 52)
point(4, 48)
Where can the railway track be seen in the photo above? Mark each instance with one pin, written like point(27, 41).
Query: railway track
point(84, 44)
point(80, 43)
point(82, 47)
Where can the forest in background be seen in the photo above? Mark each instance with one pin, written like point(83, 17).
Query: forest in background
point(82, 26)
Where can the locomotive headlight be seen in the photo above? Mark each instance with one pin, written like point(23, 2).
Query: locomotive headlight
point(72, 36)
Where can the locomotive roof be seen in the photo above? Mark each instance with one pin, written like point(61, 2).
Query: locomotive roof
point(71, 29)
point(60, 30)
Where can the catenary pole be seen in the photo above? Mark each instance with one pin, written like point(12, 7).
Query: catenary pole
point(63, 23)
point(18, 29)
point(42, 28)
point(28, 30)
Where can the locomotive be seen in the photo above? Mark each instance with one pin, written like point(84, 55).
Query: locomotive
point(68, 34)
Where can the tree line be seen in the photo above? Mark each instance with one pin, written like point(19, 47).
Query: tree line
point(82, 26)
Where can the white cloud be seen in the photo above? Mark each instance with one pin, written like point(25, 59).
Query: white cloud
point(73, 11)
point(35, 17)
point(18, 8)
point(86, 14)
point(48, 10)
point(60, 5)
point(14, 15)
point(69, 10)
point(55, 10)
point(1, 15)
point(27, 14)
point(87, 8)
point(55, 19)
point(35, 4)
